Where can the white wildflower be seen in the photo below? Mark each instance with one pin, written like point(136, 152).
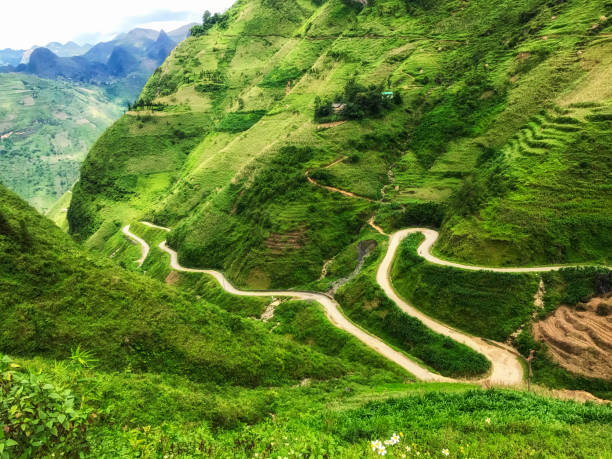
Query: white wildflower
point(445, 452)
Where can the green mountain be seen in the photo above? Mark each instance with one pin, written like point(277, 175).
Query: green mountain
point(496, 132)
point(281, 144)
point(46, 129)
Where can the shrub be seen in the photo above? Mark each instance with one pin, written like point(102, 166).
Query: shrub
point(602, 309)
point(38, 418)
point(355, 102)
point(208, 21)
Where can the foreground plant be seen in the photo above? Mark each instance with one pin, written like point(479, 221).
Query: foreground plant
point(38, 418)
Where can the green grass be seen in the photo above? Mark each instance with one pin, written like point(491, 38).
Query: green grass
point(484, 303)
point(473, 81)
point(57, 212)
point(499, 141)
point(525, 425)
point(161, 414)
point(536, 201)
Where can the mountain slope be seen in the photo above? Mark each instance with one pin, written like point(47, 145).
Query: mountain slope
point(55, 296)
point(469, 79)
point(56, 107)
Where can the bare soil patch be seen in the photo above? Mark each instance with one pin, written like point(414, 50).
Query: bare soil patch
point(578, 396)
point(330, 125)
point(580, 339)
point(172, 278)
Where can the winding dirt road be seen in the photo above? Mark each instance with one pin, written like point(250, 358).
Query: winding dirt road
point(506, 368)
point(431, 236)
point(143, 244)
point(331, 307)
point(332, 310)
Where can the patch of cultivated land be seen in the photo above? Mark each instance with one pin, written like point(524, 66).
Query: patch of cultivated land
point(580, 340)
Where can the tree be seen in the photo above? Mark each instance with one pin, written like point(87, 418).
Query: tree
point(205, 17)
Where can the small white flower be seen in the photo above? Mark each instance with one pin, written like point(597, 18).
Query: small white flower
point(488, 420)
point(382, 451)
point(445, 452)
point(375, 444)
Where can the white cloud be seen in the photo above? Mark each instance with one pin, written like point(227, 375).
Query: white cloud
point(26, 23)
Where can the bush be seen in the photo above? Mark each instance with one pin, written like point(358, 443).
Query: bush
point(602, 309)
point(39, 419)
point(355, 102)
point(239, 121)
point(208, 22)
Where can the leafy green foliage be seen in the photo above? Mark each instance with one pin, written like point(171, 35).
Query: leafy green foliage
point(429, 214)
point(572, 285)
point(60, 298)
point(39, 419)
point(279, 77)
point(208, 21)
point(453, 115)
point(519, 424)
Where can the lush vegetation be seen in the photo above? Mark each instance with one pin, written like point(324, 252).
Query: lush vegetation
point(39, 419)
point(573, 285)
point(485, 303)
point(336, 418)
point(208, 21)
point(59, 298)
point(494, 139)
point(355, 102)
point(499, 138)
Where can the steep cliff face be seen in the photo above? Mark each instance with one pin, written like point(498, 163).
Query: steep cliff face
point(482, 119)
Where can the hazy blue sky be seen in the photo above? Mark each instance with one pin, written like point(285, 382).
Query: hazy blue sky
point(26, 23)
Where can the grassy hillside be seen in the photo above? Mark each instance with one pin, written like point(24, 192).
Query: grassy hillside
point(495, 132)
point(120, 365)
point(155, 415)
point(47, 128)
point(56, 297)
